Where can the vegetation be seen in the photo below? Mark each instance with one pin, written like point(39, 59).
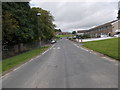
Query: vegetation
point(108, 47)
point(58, 30)
point(74, 32)
point(84, 36)
point(68, 35)
point(21, 23)
point(19, 59)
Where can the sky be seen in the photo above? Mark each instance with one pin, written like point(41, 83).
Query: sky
point(70, 15)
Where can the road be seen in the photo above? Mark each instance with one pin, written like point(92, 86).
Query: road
point(65, 65)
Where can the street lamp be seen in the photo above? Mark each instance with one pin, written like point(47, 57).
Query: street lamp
point(39, 31)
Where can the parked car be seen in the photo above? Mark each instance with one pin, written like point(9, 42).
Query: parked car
point(69, 37)
point(53, 41)
point(117, 35)
point(103, 36)
point(74, 37)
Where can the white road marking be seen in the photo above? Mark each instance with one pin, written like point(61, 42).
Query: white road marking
point(92, 52)
point(26, 63)
point(78, 46)
point(58, 48)
point(106, 58)
point(37, 57)
point(75, 44)
point(84, 49)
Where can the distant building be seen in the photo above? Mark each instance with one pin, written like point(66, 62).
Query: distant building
point(82, 32)
point(107, 29)
point(62, 33)
point(116, 27)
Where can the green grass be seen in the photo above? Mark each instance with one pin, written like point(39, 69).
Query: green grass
point(70, 35)
point(108, 47)
point(21, 58)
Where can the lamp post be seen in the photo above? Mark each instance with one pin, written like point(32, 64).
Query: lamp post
point(39, 31)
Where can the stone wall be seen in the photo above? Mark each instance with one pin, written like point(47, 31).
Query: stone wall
point(20, 48)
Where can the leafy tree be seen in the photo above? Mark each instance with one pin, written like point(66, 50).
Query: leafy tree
point(45, 24)
point(16, 24)
point(58, 30)
point(74, 32)
point(21, 23)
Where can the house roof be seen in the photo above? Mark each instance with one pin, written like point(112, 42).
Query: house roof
point(103, 25)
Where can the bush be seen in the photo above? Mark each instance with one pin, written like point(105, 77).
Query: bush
point(84, 36)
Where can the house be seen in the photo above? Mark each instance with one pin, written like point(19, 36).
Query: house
point(82, 32)
point(107, 29)
point(62, 33)
point(116, 27)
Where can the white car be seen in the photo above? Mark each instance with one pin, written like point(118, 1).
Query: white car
point(102, 36)
point(117, 35)
point(53, 41)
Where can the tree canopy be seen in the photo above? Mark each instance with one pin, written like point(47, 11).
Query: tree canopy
point(21, 23)
point(74, 32)
point(58, 30)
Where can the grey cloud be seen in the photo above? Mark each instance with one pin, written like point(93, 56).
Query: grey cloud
point(77, 15)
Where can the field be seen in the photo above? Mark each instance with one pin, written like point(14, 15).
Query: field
point(108, 47)
point(70, 35)
point(19, 59)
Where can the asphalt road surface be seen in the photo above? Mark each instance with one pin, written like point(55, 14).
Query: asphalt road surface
point(65, 65)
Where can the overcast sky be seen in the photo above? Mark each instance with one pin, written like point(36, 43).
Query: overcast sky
point(79, 14)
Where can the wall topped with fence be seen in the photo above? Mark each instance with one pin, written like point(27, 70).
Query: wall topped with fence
point(9, 51)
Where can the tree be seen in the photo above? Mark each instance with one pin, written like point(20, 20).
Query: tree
point(46, 26)
point(74, 32)
point(21, 23)
point(16, 22)
point(58, 30)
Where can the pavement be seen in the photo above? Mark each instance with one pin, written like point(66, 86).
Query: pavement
point(94, 39)
point(65, 65)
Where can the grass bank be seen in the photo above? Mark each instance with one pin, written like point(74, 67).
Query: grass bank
point(9, 63)
point(108, 47)
point(60, 36)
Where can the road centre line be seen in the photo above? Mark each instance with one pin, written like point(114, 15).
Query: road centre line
point(58, 48)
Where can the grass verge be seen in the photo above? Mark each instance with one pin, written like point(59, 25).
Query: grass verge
point(60, 36)
point(107, 47)
point(10, 63)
